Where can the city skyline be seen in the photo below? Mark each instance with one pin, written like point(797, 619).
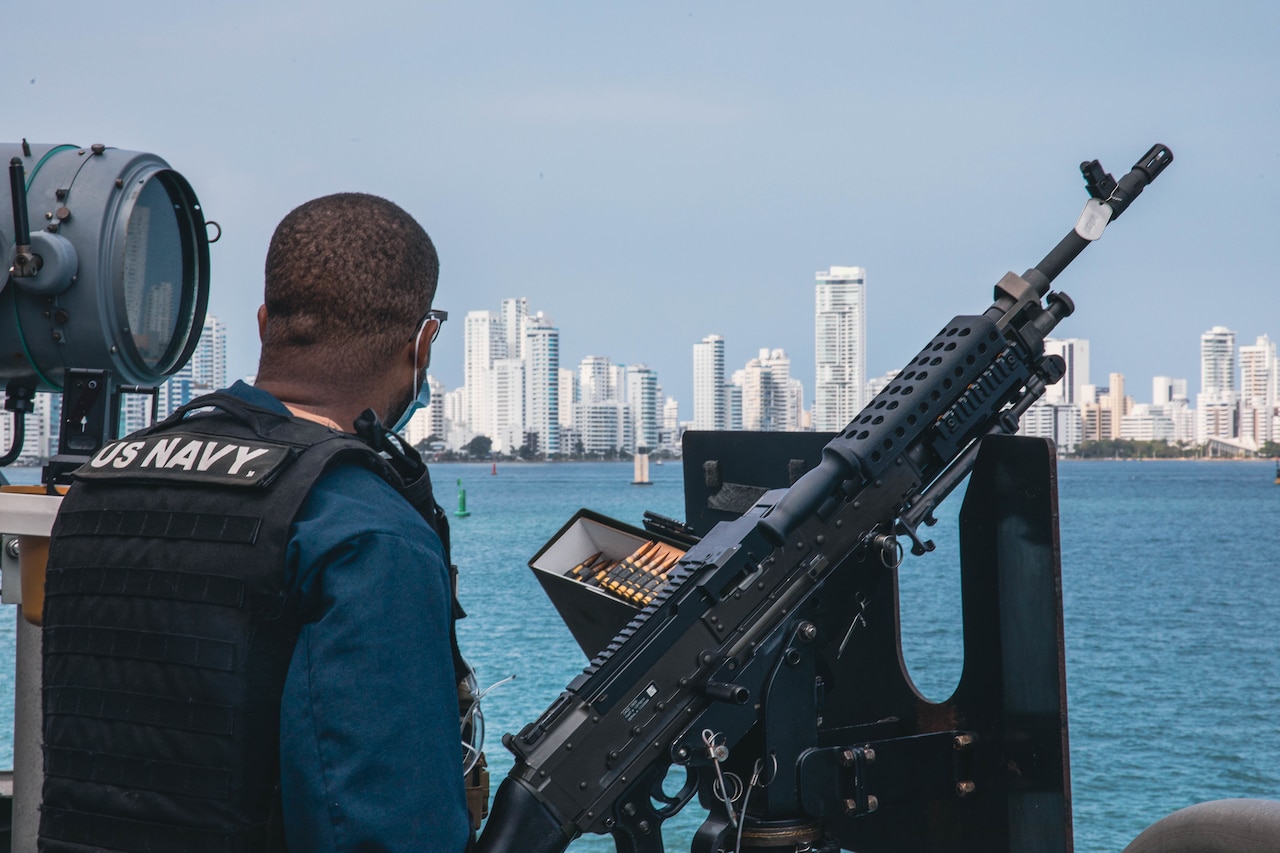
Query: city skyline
point(1239, 412)
point(625, 406)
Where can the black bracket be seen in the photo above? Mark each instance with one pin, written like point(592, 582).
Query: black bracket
point(1097, 180)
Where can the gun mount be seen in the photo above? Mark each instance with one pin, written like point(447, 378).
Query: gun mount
point(771, 655)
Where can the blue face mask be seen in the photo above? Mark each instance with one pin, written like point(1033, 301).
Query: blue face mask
point(420, 401)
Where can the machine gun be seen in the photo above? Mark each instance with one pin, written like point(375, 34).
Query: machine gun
point(743, 667)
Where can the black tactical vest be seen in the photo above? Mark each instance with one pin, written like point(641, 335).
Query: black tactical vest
point(168, 630)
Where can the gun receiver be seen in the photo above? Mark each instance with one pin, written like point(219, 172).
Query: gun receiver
point(734, 630)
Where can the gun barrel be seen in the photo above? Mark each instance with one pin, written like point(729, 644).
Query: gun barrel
point(1128, 188)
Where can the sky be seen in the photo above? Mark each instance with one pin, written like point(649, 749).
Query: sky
point(649, 174)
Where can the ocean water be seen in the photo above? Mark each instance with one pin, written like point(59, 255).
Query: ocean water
point(1172, 621)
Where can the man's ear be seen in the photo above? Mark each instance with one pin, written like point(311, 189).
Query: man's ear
point(262, 323)
point(424, 354)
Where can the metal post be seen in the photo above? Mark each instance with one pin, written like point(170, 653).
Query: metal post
point(28, 764)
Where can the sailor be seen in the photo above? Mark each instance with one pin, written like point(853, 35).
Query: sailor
point(248, 627)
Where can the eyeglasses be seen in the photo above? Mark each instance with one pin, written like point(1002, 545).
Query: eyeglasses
point(433, 314)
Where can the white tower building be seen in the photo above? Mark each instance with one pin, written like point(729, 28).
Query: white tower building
point(767, 393)
point(514, 314)
point(1258, 390)
point(642, 396)
point(1217, 360)
point(709, 400)
point(840, 343)
point(1075, 354)
point(484, 344)
point(595, 380)
point(541, 349)
point(1218, 403)
point(508, 405)
point(569, 394)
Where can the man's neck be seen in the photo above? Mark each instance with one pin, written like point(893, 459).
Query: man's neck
point(322, 408)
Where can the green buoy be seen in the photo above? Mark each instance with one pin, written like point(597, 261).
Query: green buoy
point(462, 511)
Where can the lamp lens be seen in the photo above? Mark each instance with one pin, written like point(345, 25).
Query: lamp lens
point(152, 274)
point(158, 281)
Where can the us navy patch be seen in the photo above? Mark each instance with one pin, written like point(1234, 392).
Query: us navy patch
point(189, 458)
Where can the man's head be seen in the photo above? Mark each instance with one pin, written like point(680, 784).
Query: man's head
point(348, 280)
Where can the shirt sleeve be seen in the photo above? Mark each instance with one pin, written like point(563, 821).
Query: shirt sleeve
point(371, 758)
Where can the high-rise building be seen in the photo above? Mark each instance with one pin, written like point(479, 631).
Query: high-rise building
point(840, 346)
point(1075, 356)
point(514, 313)
point(541, 348)
point(1061, 413)
point(1166, 390)
point(1218, 403)
point(1060, 422)
point(603, 427)
point(1119, 404)
point(642, 396)
point(1218, 360)
point(595, 380)
point(1258, 390)
point(1169, 398)
point(670, 435)
point(428, 422)
point(796, 415)
point(709, 403)
point(1147, 423)
point(768, 394)
point(454, 404)
point(484, 343)
point(1258, 371)
point(569, 394)
point(508, 390)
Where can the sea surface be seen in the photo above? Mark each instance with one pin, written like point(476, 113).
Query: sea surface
point(1172, 612)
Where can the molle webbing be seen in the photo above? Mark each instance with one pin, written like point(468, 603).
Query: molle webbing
point(134, 645)
point(189, 526)
point(136, 774)
point(146, 583)
point(102, 832)
point(131, 707)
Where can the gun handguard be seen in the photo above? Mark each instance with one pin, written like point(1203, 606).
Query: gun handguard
point(594, 761)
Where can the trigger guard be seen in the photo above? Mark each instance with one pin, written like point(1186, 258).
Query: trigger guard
point(637, 821)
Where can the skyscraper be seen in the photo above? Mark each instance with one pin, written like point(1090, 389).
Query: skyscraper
point(1258, 381)
point(507, 399)
point(642, 396)
point(1075, 355)
point(484, 343)
point(1218, 403)
point(595, 380)
point(514, 314)
point(1218, 360)
point(569, 394)
point(541, 349)
point(1258, 390)
point(768, 394)
point(840, 344)
point(429, 421)
point(1165, 390)
point(709, 404)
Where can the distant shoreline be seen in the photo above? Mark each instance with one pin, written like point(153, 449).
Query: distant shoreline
point(677, 461)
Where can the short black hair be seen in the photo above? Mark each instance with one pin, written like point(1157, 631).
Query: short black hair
point(348, 277)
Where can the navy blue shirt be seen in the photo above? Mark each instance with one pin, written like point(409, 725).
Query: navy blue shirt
point(370, 749)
